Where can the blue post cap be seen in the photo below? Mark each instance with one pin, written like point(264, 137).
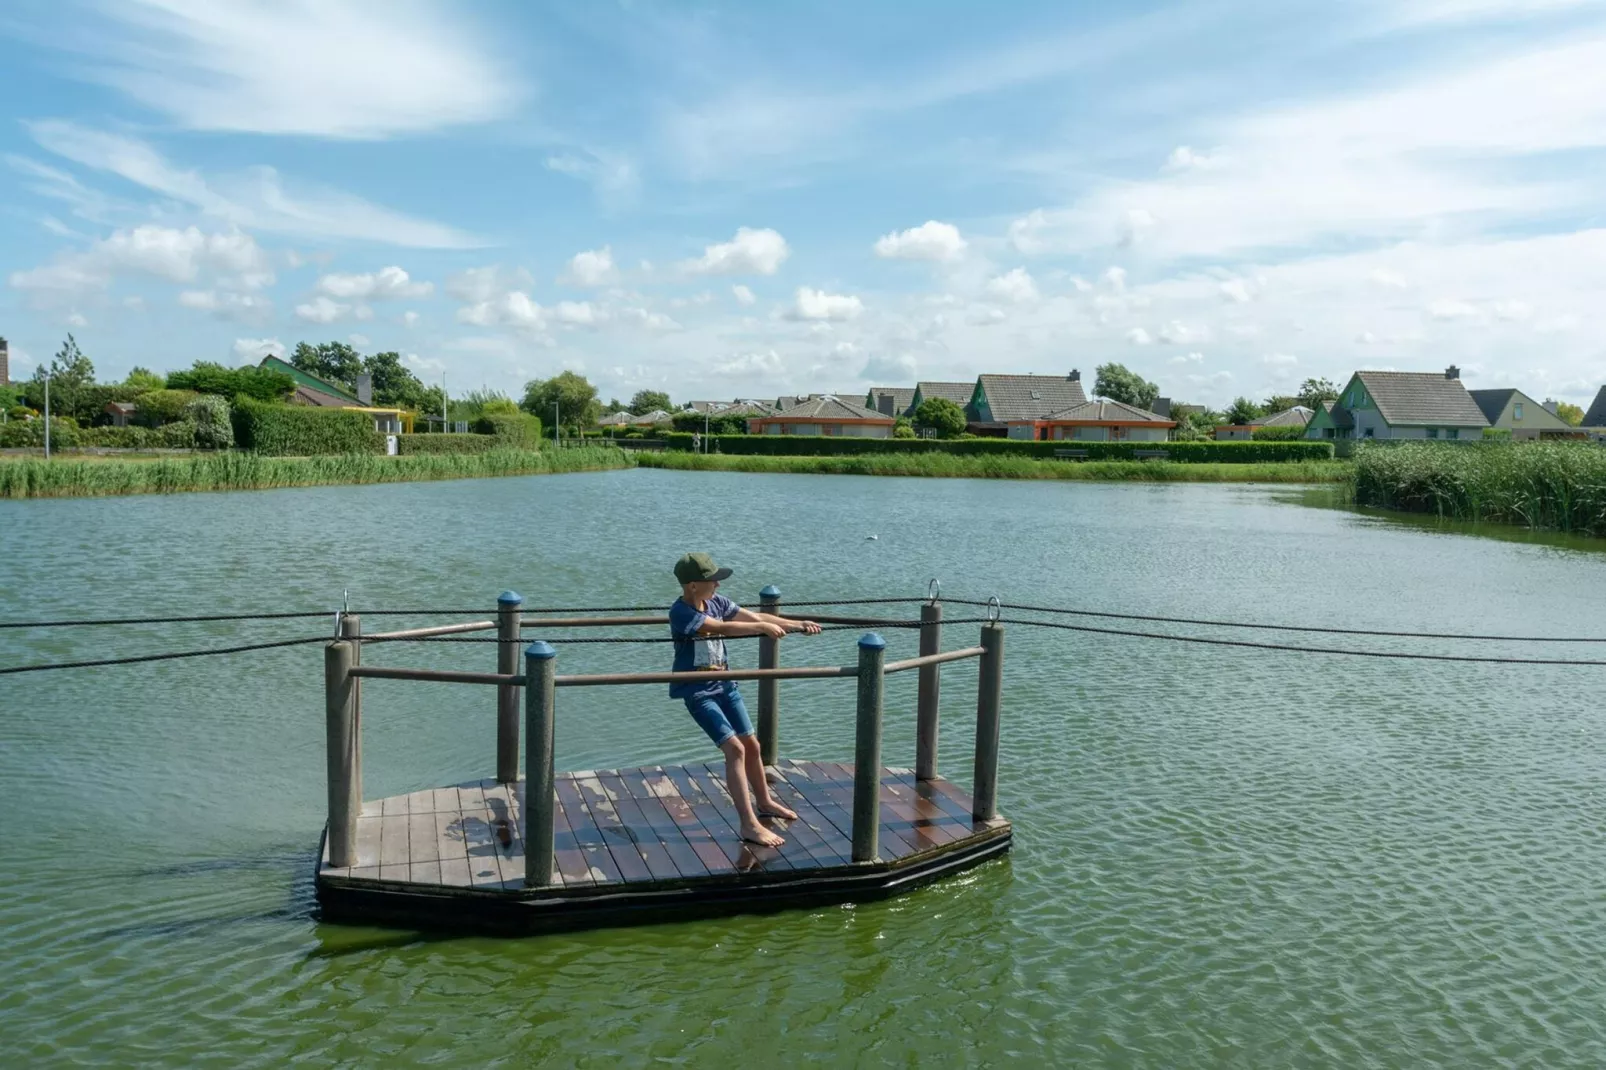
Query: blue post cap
point(540, 649)
point(510, 596)
point(871, 641)
point(771, 591)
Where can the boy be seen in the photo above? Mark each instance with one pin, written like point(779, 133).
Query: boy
point(700, 619)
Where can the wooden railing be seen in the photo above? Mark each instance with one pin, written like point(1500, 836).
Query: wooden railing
point(344, 673)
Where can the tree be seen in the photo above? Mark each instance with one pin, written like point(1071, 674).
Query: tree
point(1242, 411)
point(1281, 402)
point(207, 377)
point(646, 401)
point(1312, 392)
point(70, 374)
point(614, 405)
point(1570, 414)
point(334, 361)
point(1118, 384)
point(575, 398)
point(902, 428)
point(940, 415)
point(144, 379)
point(397, 385)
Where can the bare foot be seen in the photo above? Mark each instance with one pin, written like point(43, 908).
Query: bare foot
point(762, 836)
point(777, 809)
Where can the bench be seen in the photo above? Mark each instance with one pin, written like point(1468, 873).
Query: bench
point(1071, 455)
point(1150, 455)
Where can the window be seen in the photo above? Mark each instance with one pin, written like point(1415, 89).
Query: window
point(1516, 411)
point(1433, 432)
point(1453, 433)
point(1368, 433)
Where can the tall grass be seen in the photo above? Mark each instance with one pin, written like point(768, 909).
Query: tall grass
point(92, 477)
point(999, 466)
point(1559, 486)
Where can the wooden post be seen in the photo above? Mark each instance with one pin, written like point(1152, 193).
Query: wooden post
point(344, 768)
point(867, 749)
point(540, 787)
point(989, 693)
point(509, 605)
point(769, 691)
point(351, 628)
point(926, 703)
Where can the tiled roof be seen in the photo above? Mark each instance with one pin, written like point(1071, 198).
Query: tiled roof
point(306, 395)
point(902, 398)
point(1298, 416)
point(1492, 402)
point(746, 408)
point(1029, 397)
point(312, 382)
point(1422, 398)
point(1104, 411)
point(958, 393)
point(828, 408)
point(1596, 416)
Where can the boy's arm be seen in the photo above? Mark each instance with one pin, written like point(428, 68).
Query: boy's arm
point(808, 627)
point(738, 626)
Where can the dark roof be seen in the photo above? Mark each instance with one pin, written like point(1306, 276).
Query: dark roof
point(1327, 405)
point(1492, 402)
point(827, 408)
point(1298, 416)
point(1028, 397)
point(902, 398)
point(124, 407)
point(1104, 411)
point(958, 393)
point(306, 395)
point(1596, 416)
point(1422, 398)
point(312, 382)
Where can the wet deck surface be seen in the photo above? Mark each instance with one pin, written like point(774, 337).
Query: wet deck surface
point(648, 826)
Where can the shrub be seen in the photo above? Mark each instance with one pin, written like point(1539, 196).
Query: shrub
point(178, 435)
point(409, 445)
point(1290, 433)
point(691, 422)
point(510, 429)
point(940, 415)
point(157, 407)
point(209, 418)
point(118, 438)
point(303, 431)
point(260, 384)
point(1187, 452)
point(85, 404)
point(64, 431)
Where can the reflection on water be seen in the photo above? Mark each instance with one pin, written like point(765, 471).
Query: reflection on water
point(1223, 856)
point(1332, 496)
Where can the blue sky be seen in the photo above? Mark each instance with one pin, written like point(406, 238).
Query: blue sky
point(730, 200)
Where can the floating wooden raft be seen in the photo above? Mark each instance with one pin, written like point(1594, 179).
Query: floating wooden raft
point(623, 846)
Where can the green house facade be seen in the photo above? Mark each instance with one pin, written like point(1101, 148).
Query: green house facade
point(1401, 405)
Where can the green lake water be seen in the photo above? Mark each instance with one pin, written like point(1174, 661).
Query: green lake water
point(1222, 856)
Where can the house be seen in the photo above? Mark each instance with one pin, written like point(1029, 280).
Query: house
point(616, 419)
point(1595, 418)
point(825, 415)
point(1401, 405)
point(1298, 416)
point(647, 419)
point(120, 412)
point(890, 400)
point(321, 393)
point(1525, 418)
point(958, 393)
point(1100, 420)
point(1007, 404)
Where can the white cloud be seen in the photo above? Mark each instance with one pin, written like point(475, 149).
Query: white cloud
point(247, 307)
point(1513, 310)
point(594, 267)
point(818, 305)
point(385, 284)
point(322, 310)
point(888, 368)
point(765, 363)
point(931, 240)
point(76, 319)
point(1138, 336)
point(256, 199)
point(1015, 286)
point(613, 178)
point(1183, 158)
point(653, 321)
point(486, 283)
point(1178, 333)
point(359, 70)
point(512, 309)
point(1384, 277)
point(1114, 278)
point(1236, 290)
point(409, 318)
point(743, 295)
point(575, 313)
point(1279, 360)
point(252, 350)
point(1366, 338)
point(750, 252)
point(1452, 310)
point(1187, 358)
point(986, 316)
point(154, 251)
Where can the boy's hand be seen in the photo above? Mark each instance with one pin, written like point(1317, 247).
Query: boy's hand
point(774, 631)
point(808, 627)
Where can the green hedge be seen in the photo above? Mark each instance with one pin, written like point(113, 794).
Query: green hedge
point(827, 446)
point(303, 431)
point(511, 430)
point(1280, 433)
point(409, 445)
point(693, 422)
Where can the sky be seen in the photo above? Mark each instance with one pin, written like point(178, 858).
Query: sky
point(726, 200)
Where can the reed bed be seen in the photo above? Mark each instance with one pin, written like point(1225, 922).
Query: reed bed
point(75, 477)
point(1555, 486)
point(998, 466)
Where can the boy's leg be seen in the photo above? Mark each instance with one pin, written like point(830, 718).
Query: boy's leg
point(735, 711)
point(714, 716)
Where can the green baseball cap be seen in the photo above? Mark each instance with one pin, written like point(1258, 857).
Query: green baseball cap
point(695, 568)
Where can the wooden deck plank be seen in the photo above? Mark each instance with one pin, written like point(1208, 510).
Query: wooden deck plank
point(571, 863)
point(659, 818)
point(421, 837)
point(958, 803)
point(952, 815)
point(821, 793)
point(601, 866)
point(627, 828)
point(395, 804)
point(425, 872)
point(924, 813)
point(470, 796)
point(503, 807)
point(792, 852)
point(394, 852)
point(713, 789)
point(451, 846)
point(659, 785)
point(892, 844)
point(421, 802)
point(367, 842)
point(481, 848)
point(446, 801)
point(818, 832)
point(741, 856)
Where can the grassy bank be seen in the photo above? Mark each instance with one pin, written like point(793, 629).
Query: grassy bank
point(96, 476)
point(993, 466)
point(1556, 486)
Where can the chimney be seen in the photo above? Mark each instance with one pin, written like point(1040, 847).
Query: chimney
point(1075, 376)
point(883, 404)
point(365, 388)
point(1452, 372)
point(1552, 405)
point(5, 363)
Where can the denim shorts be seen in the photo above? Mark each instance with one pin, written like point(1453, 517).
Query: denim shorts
point(722, 715)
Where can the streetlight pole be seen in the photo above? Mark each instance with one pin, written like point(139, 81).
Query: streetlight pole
point(47, 416)
point(705, 430)
point(444, 426)
point(555, 419)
